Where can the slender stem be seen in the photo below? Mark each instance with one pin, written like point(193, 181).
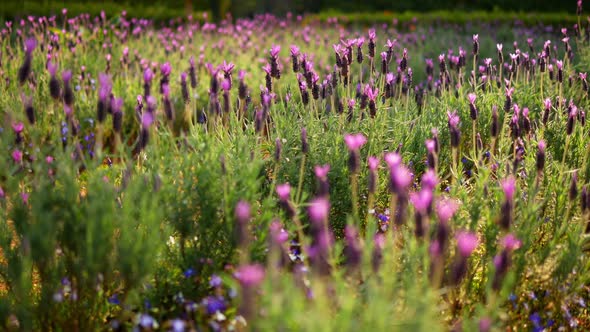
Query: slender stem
point(454, 167)
point(354, 189)
point(301, 174)
point(370, 203)
point(473, 130)
point(567, 144)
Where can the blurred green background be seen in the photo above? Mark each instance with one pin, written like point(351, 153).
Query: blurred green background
point(244, 8)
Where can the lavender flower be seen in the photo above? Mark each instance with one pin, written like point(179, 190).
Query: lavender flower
point(319, 252)
point(547, 104)
point(17, 156)
point(147, 82)
point(472, 108)
point(373, 165)
point(295, 58)
point(321, 173)
point(453, 122)
point(54, 86)
point(304, 144)
point(192, 72)
point(354, 142)
point(359, 49)
point(274, 62)
point(243, 216)
point(503, 260)
point(509, 188)
point(165, 70)
point(384, 64)
point(117, 106)
point(422, 202)
point(371, 45)
point(104, 93)
point(184, 88)
point(25, 70)
point(377, 254)
point(372, 94)
point(29, 110)
point(249, 277)
point(466, 244)
point(352, 250)
point(68, 95)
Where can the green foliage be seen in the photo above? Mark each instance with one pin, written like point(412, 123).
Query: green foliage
point(95, 233)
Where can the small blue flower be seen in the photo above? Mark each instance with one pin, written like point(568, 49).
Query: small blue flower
point(535, 319)
point(178, 325)
point(146, 321)
point(147, 304)
point(215, 281)
point(383, 217)
point(190, 272)
point(214, 304)
point(114, 299)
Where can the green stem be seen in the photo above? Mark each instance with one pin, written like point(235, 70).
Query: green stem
point(301, 174)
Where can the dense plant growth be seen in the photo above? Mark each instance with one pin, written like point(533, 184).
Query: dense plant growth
point(273, 174)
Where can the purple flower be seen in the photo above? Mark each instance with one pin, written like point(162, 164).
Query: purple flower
point(471, 98)
point(147, 322)
point(274, 50)
point(146, 119)
point(445, 209)
point(18, 127)
point(421, 200)
point(466, 243)
point(372, 93)
point(392, 159)
point(117, 104)
point(278, 233)
point(485, 324)
point(373, 163)
point(52, 68)
point(559, 64)
point(250, 275)
point(355, 141)
point(241, 75)
point(352, 250)
point(189, 273)
point(30, 45)
point(242, 212)
point(429, 179)
point(148, 75)
point(319, 210)
point(400, 178)
point(214, 304)
point(511, 242)
point(351, 103)
point(453, 119)
point(321, 172)
point(284, 191)
point(509, 187)
point(17, 156)
point(166, 69)
point(294, 51)
point(430, 145)
point(226, 85)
